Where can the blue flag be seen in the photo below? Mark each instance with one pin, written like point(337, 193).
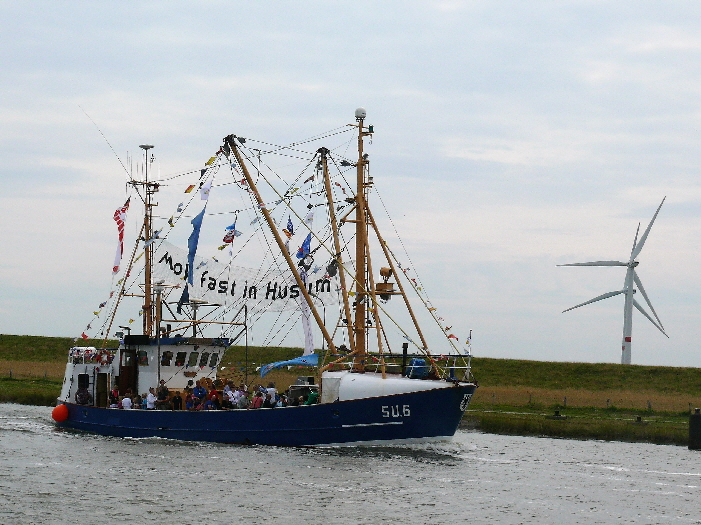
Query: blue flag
point(290, 228)
point(305, 248)
point(192, 242)
point(305, 360)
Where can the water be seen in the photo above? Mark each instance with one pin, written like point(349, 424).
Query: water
point(56, 477)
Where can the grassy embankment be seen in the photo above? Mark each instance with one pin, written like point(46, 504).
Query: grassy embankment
point(598, 401)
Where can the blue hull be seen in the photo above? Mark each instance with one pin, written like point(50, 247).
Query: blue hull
point(417, 416)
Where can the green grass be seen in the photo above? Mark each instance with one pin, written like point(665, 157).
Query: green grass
point(29, 391)
point(667, 429)
point(589, 376)
point(581, 422)
point(235, 355)
point(42, 349)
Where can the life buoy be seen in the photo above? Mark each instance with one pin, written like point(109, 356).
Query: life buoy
point(60, 413)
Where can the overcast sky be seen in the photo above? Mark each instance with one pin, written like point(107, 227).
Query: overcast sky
point(510, 137)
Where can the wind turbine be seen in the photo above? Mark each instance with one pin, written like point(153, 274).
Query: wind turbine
point(629, 285)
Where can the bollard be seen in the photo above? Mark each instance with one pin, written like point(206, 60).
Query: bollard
point(695, 430)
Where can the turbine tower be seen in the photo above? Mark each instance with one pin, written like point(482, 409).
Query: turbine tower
point(631, 281)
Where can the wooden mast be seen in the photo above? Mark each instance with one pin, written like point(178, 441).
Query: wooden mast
point(361, 250)
point(266, 214)
point(149, 189)
point(337, 245)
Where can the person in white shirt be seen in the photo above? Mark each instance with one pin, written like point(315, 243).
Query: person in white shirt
point(272, 391)
point(126, 403)
point(151, 399)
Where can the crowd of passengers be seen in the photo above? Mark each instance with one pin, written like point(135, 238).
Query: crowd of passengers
point(202, 398)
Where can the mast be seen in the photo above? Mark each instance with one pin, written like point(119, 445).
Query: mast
point(273, 228)
point(361, 249)
point(149, 189)
point(337, 244)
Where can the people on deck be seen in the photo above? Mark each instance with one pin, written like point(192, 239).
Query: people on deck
point(312, 398)
point(162, 393)
point(257, 401)
point(243, 400)
point(268, 402)
point(231, 397)
point(177, 401)
point(212, 403)
point(228, 388)
point(199, 391)
point(272, 391)
point(114, 398)
point(151, 399)
point(83, 397)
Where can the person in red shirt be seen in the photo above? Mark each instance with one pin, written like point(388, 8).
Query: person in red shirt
point(257, 401)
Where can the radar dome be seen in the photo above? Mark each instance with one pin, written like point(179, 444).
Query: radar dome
point(360, 113)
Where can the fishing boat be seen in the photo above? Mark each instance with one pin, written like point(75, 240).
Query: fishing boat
point(374, 381)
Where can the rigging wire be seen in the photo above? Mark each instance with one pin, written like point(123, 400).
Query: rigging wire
point(107, 141)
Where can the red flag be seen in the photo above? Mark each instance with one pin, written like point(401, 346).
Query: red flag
point(84, 336)
point(120, 215)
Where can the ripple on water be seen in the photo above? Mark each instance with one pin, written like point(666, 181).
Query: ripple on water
point(477, 478)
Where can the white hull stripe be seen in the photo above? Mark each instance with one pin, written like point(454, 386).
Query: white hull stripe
point(373, 424)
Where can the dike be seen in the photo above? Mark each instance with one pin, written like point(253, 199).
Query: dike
point(520, 397)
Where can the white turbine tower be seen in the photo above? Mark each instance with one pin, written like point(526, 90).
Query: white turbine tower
point(629, 284)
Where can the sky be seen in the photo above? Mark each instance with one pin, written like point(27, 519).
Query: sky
point(510, 137)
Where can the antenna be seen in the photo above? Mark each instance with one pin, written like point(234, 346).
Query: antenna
point(108, 142)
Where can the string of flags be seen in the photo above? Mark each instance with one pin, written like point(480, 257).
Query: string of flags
point(432, 309)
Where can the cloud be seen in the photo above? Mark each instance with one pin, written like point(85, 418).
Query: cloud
point(508, 139)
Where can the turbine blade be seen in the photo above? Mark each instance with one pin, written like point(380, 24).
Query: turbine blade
point(597, 263)
point(640, 309)
point(647, 299)
point(601, 297)
point(640, 245)
point(635, 241)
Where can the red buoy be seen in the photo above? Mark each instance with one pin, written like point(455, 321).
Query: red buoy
point(60, 413)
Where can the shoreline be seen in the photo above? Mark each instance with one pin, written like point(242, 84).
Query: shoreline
point(581, 423)
point(633, 403)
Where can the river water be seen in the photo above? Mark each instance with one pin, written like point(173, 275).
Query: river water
point(59, 477)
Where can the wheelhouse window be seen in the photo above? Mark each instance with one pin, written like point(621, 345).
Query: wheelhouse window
point(142, 357)
point(193, 359)
point(180, 359)
point(214, 360)
point(166, 358)
point(83, 381)
point(204, 358)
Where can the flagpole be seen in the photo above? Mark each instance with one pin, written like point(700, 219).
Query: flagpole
point(149, 189)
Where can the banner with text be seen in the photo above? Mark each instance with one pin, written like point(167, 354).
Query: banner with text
point(217, 283)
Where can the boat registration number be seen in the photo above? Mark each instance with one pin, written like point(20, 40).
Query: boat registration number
point(396, 411)
point(465, 402)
